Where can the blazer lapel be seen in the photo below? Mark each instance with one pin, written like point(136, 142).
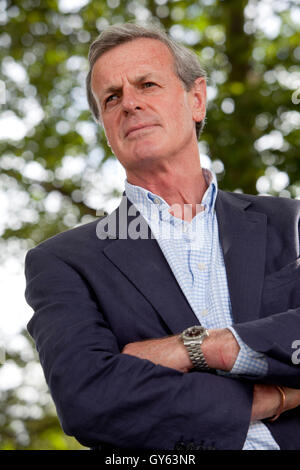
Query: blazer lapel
point(143, 263)
point(242, 234)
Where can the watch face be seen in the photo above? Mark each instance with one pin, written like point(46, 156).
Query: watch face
point(194, 332)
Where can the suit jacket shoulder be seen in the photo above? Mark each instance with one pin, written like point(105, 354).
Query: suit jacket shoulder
point(265, 204)
point(80, 238)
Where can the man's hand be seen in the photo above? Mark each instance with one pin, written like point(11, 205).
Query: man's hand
point(220, 350)
point(266, 401)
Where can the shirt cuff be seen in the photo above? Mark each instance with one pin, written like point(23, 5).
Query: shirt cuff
point(248, 361)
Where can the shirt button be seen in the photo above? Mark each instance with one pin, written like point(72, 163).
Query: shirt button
point(202, 266)
point(185, 228)
point(204, 312)
point(156, 200)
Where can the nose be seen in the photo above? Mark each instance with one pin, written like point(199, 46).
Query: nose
point(130, 100)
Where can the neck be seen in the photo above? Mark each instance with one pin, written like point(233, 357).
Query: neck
point(181, 185)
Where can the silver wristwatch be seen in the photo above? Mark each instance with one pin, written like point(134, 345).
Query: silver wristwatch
point(192, 338)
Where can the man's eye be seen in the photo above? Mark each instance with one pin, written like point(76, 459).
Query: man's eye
point(148, 84)
point(110, 98)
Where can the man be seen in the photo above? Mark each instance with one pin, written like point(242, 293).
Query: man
point(117, 315)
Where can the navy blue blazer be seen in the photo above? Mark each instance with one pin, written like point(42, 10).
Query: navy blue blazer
point(92, 296)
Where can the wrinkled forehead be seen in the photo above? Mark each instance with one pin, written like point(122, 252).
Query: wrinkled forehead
point(136, 57)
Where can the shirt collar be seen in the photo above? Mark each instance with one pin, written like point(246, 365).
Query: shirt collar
point(210, 195)
point(142, 197)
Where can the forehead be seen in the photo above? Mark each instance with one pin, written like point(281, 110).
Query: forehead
point(136, 57)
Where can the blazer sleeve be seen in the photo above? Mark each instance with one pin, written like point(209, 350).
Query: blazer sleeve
point(275, 332)
point(103, 396)
point(275, 336)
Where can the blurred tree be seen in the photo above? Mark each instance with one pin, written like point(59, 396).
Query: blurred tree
point(56, 168)
point(27, 415)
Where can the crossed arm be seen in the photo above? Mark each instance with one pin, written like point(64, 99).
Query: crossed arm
point(99, 393)
point(220, 350)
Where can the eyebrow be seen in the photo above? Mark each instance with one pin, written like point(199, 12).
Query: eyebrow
point(114, 89)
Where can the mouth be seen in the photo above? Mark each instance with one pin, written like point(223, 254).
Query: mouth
point(136, 129)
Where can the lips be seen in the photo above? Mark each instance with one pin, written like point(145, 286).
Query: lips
point(138, 127)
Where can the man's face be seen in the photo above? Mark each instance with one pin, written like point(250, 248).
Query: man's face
point(146, 112)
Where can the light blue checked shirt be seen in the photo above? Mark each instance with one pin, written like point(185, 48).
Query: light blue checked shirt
point(194, 254)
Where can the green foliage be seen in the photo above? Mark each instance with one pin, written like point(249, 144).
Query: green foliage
point(27, 415)
point(52, 166)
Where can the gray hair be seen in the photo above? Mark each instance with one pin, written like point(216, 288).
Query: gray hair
point(187, 66)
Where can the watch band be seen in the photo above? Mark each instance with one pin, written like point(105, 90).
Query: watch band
point(192, 339)
point(197, 356)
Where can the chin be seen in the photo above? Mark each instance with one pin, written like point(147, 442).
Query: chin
point(141, 149)
point(149, 155)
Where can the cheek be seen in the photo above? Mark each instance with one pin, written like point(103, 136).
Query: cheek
point(180, 117)
point(110, 129)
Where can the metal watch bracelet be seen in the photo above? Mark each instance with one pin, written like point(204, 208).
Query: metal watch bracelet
point(196, 356)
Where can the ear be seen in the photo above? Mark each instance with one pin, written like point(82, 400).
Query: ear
point(198, 95)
